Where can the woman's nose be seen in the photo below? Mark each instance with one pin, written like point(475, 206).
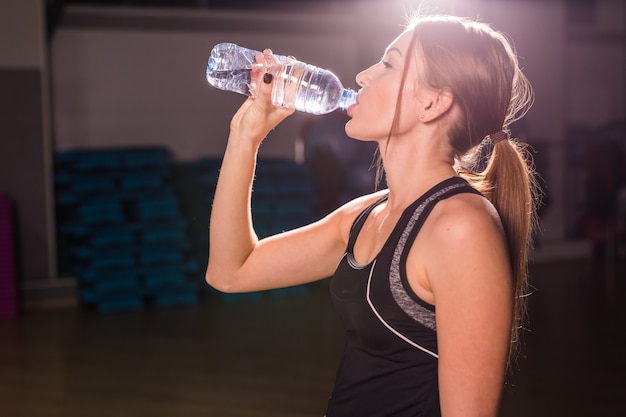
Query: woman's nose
point(361, 77)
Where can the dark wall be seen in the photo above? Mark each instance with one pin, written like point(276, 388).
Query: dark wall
point(23, 171)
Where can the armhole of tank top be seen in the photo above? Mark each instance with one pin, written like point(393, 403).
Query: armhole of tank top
point(413, 235)
point(358, 223)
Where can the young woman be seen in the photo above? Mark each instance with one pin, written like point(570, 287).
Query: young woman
point(428, 274)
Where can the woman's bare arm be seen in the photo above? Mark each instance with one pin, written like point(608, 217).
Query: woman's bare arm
point(470, 278)
point(238, 261)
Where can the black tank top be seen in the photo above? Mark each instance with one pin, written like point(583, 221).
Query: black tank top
point(389, 363)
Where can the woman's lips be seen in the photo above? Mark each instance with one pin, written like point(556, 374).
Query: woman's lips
point(349, 110)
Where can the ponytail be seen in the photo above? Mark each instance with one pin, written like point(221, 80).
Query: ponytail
point(508, 181)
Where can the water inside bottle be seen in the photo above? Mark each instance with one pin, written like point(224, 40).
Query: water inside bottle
point(306, 88)
point(237, 80)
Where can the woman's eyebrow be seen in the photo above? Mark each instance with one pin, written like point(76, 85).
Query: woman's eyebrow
point(393, 49)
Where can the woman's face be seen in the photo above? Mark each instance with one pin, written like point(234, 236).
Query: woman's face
point(373, 115)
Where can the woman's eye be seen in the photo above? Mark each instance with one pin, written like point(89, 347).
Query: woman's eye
point(386, 64)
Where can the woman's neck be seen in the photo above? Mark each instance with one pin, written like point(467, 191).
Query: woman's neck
point(411, 169)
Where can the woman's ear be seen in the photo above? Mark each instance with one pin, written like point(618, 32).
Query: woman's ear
point(436, 104)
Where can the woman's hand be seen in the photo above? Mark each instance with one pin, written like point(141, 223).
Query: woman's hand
point(257, 115)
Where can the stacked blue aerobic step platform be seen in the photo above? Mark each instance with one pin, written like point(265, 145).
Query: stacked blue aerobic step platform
point(283, 198)
point(122, 231)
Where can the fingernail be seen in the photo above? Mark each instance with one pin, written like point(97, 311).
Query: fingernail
point(267, 78)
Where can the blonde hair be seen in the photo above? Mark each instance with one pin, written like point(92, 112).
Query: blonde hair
point(479, 66)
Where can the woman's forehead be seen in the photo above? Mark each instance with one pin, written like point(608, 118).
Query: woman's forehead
point(401, 43)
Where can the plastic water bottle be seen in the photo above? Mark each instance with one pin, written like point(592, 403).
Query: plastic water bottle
point(296, 84)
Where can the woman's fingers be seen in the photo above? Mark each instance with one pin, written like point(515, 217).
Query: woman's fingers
point(257, 115)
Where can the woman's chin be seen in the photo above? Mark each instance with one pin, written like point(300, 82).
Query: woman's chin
point(353, 132)
point(348, 129)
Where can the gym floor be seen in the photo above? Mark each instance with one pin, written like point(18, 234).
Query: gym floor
point(274, 354)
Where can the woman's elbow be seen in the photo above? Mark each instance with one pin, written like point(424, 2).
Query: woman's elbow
point(218, 280)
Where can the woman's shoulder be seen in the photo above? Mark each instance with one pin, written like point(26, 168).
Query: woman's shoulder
point(463, 234)
point(465, 216)
point(361, 203)
point(348, 213)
